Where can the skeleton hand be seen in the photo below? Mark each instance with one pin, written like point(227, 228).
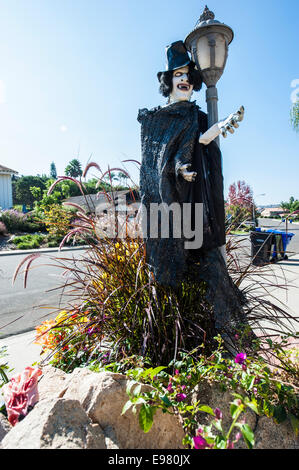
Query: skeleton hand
point(187, 175)
point(231, 122)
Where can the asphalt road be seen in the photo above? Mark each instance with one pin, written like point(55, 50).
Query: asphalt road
point(23, 309)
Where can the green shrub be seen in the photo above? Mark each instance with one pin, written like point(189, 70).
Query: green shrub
point(16, 221)
point(25, 242)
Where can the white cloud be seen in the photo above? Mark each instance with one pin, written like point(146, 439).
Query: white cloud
point(2, 92)
point(63, 128)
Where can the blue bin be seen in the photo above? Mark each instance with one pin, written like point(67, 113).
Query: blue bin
point(286, 238)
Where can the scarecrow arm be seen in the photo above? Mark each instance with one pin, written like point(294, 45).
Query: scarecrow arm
point(222, 127)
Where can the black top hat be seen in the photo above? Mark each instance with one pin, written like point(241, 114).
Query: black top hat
point(176, 57)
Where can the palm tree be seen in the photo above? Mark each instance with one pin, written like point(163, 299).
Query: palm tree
point(73, 169)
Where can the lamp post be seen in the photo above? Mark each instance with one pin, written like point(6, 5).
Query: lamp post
point(208, 44)
point(253, 210)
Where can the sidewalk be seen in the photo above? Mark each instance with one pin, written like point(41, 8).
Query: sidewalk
point(21, 351)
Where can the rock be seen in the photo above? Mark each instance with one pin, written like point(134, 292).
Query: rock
point(103, 396)
point(57, 423)
point(51, 383)
point(270, 435)
point(5, 426)
point(267, 434)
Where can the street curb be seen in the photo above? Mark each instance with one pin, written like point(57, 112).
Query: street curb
point(42, 250)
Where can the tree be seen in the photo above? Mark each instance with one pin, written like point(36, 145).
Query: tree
point(22, 192)
point(240, 194)
point(240, 205)
point(292, 205)
point(295, 115)
point(122, 178)
point(53, 171)
point(74, 169)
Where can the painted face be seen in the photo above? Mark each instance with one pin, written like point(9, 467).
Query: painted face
point(181, 89)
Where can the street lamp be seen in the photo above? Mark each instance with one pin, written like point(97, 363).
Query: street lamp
point(208, 44)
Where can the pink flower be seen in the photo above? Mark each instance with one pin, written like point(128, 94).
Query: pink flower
point(200, 442)
point(20, 393)
point(240, 358)
point(177, 372)
point(180, 397)
point(230, 445)
point(238, 436)
point(169, 388)
point(218, 413)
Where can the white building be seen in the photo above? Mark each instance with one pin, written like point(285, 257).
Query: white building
point(6, 187)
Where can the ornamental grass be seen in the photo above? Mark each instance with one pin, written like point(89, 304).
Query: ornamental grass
point(116, 310)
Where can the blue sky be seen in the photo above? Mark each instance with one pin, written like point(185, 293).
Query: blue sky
point(73, 74)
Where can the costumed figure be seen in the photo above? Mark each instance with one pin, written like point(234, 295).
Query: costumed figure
point(181, 163)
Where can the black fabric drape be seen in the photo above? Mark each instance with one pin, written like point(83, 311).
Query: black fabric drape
point(169, 139)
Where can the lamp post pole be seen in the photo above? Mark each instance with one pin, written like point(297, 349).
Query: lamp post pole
point(208, 44)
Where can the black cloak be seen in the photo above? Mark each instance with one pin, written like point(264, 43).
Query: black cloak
point(169, 139)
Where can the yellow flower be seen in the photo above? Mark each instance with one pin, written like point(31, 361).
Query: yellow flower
point(63, 315)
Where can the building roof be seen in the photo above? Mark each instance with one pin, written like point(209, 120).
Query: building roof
point(4, 169)
point(94, 203)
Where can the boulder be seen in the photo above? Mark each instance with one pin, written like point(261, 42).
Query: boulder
point(51, 384)
point(82, 410)
point(103, 396)
point(5, 426)
point(57, 423)
point(267, 434)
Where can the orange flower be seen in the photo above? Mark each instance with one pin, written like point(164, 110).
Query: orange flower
point(44, 336)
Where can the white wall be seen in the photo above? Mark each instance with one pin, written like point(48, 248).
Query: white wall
point(5, 191)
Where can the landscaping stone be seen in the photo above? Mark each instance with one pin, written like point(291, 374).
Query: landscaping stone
point(275, 436)
point(268, 434)
point(52, 383)
point(5, 426)
point(103, 396)
point(55, 424)
point(83, 410)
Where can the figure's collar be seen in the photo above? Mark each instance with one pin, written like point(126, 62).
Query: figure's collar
point(179, 107)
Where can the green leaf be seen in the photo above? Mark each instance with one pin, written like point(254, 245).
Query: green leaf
point(234, 409)
point(280, 414)
point(137, 390)
point(247, 434)
point(206, 409)
point(126, 407)
point(130, 385)
point(268, 409)
point(166, 401)
point(218, 425)
point(156, 371)
point(220, 442)
point(294, 423)
point(146, 417)
point(253, 406)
